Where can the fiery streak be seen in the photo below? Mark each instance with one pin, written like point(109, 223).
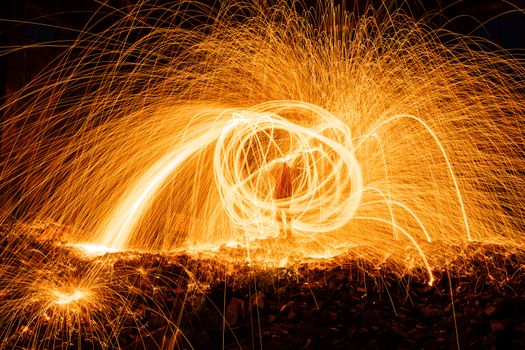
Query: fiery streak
point(396, 140)
point(94, 249)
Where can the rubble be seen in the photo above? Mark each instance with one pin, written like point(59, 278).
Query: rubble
point(182, 301)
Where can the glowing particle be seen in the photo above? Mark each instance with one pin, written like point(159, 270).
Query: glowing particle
point(94, 249)
point(67, 298)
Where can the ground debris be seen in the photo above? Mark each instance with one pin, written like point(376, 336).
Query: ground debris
point(183, 301)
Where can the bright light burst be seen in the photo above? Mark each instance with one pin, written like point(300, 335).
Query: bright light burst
point(395, 140)
point(396, 136)
point(51, 296)
point(94, 249)
point(75, 296)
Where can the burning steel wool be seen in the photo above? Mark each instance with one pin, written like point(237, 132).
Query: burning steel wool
point(269, 137)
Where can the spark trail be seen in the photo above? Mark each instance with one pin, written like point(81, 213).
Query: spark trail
point(399, 139)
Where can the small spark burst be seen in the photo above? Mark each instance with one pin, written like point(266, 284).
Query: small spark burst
point(51, 295)
point(63, 298)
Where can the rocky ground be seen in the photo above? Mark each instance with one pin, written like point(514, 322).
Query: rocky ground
point(349, 307)
point(147, 301)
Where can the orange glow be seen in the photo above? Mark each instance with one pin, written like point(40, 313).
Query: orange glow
point(396, 144)
point(94, 249)
point(268, 140)
point(67, 298)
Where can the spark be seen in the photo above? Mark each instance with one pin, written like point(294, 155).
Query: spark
point(94, 250)
point(269, 140)
point(395, 142)
point(67, 298)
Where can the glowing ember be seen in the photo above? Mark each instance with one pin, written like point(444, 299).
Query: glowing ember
point(67, 298)
point(388, 140)
point(94, 249)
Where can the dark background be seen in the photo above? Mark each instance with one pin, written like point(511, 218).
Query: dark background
point(29, 22)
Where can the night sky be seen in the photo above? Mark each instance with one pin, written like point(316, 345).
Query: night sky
point(60, 20)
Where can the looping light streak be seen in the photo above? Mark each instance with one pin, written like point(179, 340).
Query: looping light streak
point(326, 201)
point(248, 147)
point(282, 134)
point(265, 136)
